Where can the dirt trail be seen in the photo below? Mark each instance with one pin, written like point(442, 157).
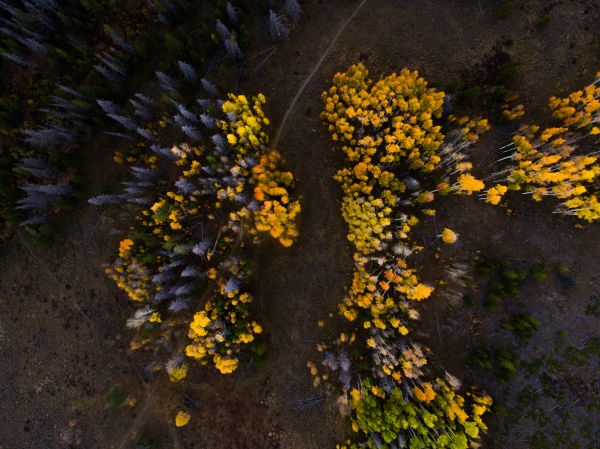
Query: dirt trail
point(310, 76)
point(298, 286)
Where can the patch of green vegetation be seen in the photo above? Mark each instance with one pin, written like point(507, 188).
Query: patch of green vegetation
point(505, 8)
point(523, 325)
point(453, 86)
point(507, 365)
point(265, 5)
point(259, 348)
point(501, 361)
point(469, 281)
point(538, 440)
point(542, 22)
point(484, 266)
point(505, 283)
point(558, 369)
point(561, 268)
point(538, 272)
point(567, 282)
point(581, 356)
point(528, 396)
point(470, 94)
point(505, 280)
point(174, 45)
point(508, 71)
point(563, 272)
point(498, 95)
point(593, 307)
point(534, 367)
point(480, 357)
point(470, 300)
point(499, 409)
point(147, 440)
point(492, 302)
point(116, 396)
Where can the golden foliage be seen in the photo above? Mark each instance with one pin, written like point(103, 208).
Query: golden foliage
point(547, 162)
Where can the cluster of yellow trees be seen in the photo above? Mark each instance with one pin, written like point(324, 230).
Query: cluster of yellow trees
point(557, 161)
point(277, 212)
point(183, 262)
point(221, 328)
point(385, 128)
point(130, 274)
point(399, 159)
point(381, 125)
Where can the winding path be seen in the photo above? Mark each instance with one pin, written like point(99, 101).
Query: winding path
point(313, 72)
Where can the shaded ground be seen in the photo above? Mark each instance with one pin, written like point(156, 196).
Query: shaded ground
point(61, 365)
point(529, 235)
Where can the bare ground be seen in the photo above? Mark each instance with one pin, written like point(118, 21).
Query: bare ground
point(61, 322)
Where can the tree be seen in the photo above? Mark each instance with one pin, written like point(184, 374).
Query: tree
point(279, 32)
point(293, 9)
point(187, 71)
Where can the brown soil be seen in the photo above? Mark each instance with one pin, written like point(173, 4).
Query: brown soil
point(61, 323)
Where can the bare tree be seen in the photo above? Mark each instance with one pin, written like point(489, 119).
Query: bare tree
point(279, 32)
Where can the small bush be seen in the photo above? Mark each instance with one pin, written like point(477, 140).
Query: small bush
point(116, 396)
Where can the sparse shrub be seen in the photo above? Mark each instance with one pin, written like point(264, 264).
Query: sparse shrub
point(538, 272)
point(542, 22)
point(147, 440)
point(505, 8)
point(116, 396)
point(481, 357)
point(508, 71)
point(522, 324)
point(470, 94)
point(506, 365)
